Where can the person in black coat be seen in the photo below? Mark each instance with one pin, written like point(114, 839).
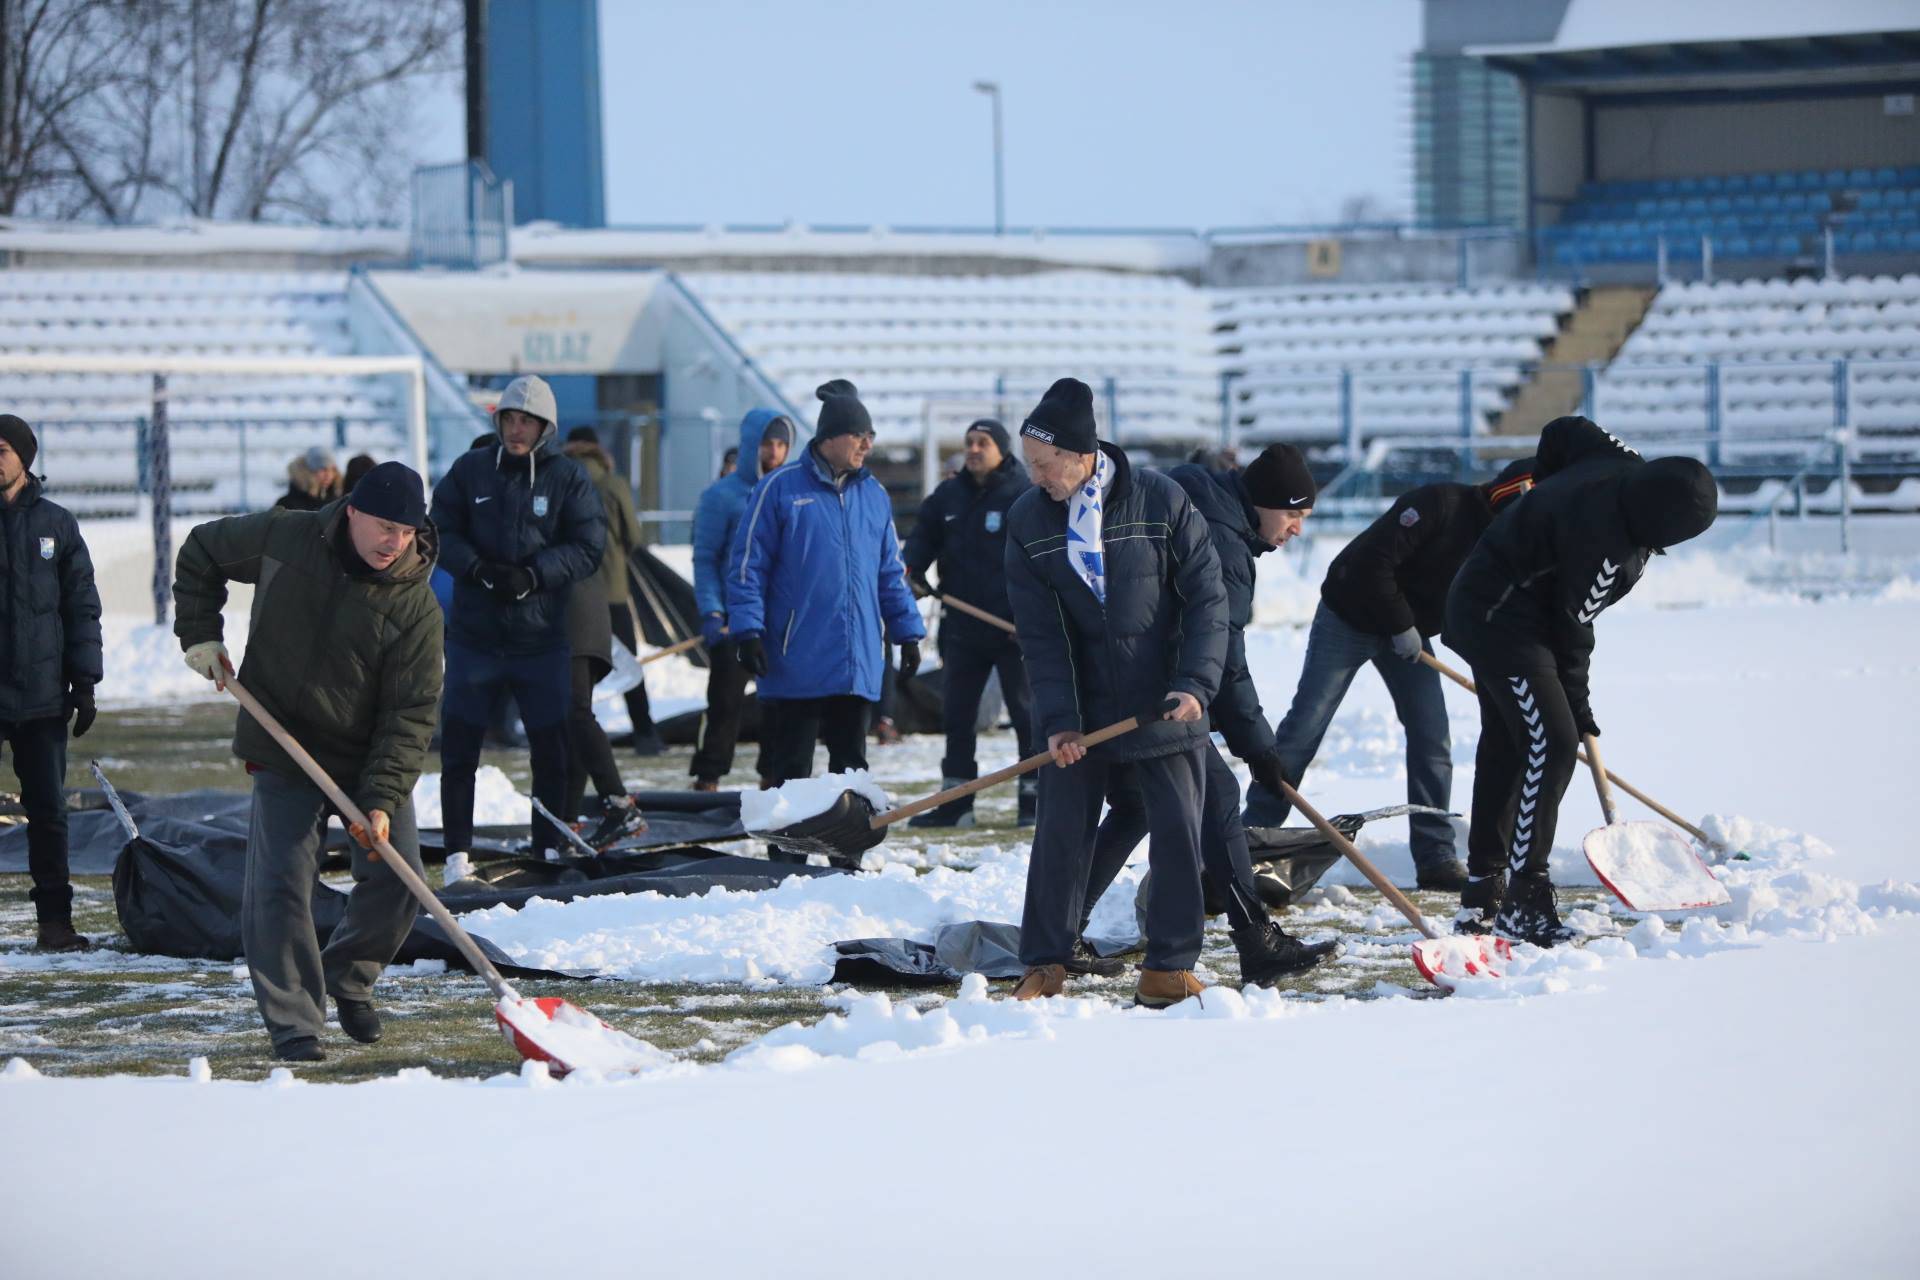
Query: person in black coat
point(962, 529)
point(1381, 603)
point(1248, 513)
point(49, 663)
point(1117, 599)
point(519, 524)
point(1521, 612)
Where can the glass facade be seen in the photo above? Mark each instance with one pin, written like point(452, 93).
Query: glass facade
point(1469, 143)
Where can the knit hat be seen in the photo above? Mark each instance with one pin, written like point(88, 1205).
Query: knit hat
point(1668, 501)
point(992, 427)
point(19, 436)
point(528, 394)
point(1279, 480)
point(1064, 418)
point(583, 433)
point(1513, 480)
point(391, 491)
point(841, 413)
point(779, 428)
point(318, 458)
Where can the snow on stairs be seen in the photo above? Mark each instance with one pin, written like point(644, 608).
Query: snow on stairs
point(1593, 334)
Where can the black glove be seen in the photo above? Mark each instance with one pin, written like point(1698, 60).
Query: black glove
point(909, 657)
point(80, 707)
point(753, 655)
point(1583, 720)
point(1267, 771)
point(917, 583)
point(487, 573)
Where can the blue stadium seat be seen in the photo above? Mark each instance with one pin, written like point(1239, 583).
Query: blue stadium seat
point(1865, 242)
point(1911, 237)
point(1906, 217)
point(1739, 183)
point(1820, 202)
point(1737, 247)
point(1886, 177)
point(1770, 202)
point(1909, 176)
point(1812, 180)
point(1787, 246)
point(1867, 200)
point(1719, 204)
point(1712, 184)
point(1694, 205)
point(1896, 198)
point(1664, 187)
point(1835, 178)
point(1794, 202)
point(1686, 186)
point(1860, 178)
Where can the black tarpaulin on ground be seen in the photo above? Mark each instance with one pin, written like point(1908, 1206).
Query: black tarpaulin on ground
point(973, 946)
point(676, 873)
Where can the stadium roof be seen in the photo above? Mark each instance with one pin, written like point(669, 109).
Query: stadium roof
point(1740, 62)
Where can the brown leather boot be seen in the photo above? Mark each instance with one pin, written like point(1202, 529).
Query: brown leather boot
point(1159, 988)
point(59, 936)
point(705, 784)
point(1041, 980)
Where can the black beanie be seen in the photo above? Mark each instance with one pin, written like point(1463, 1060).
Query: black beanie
point(992, 427)
point(1064, 418)
point(19, 436)
point(1668, 501)
point(585, 433)
point(391, 491)
point(841, 413)
point(1279, 480)
point(1513, 480)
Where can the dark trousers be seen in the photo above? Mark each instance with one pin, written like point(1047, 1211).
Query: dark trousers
point(789, 729)
point(1335, 654)
point(967, 669)
point(40, 763)
point(1520, 772)
point(589, 753)
point(1224, 855)
point(639, 710)
point(542, 685)
point(720, 727)
point(291, 974)
point(1171, 789)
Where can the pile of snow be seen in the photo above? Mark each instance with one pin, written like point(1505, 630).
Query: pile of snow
point(496, 801)
point(145, 663)
point(806, 798)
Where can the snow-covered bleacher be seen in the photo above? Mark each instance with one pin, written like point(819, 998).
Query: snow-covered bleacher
point(90, 423)
point(956, 347)
point(1404, 347)
point(1781, 346)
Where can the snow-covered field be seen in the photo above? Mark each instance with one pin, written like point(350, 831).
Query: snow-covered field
point(1722, 1095)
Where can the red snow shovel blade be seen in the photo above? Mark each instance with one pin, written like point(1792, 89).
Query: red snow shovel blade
point(568, 1038)
point(1448, 962)
point(1650, 868)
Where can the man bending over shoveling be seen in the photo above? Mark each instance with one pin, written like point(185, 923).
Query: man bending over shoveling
point(344, 650)
point(1117, 596)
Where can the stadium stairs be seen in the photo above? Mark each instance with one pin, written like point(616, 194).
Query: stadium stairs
point(1593, 334)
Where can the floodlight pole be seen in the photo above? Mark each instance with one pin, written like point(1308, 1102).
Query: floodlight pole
point(992, 90)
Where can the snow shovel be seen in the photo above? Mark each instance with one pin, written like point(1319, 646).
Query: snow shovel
point(678, 647)
point(1618, 781)
point(547, 1029)
point(1644, 864)
point(975, 611)
point(851, 825)
point(1445, 960)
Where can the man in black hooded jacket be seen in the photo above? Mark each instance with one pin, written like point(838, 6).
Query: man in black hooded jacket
point(1522, 611)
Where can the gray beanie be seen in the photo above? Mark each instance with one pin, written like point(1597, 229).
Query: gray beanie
point(318, 458)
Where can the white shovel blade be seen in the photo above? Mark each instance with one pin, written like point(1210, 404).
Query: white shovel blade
point(1650, 867)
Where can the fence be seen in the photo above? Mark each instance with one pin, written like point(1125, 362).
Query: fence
point(462, 215)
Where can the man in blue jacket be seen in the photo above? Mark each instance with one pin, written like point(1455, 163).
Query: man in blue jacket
point(1117, 596)
point(765, 438)
point(962, 529)
point(813, 578)
point(519, 525)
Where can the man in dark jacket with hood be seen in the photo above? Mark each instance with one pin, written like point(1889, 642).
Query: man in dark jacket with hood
point(344, 651)
point(962, 528)
point(1521, 611)
point(519, 525)
point(1117, 596)
point(1382, 603)
point(49, 664)
point(765, 439)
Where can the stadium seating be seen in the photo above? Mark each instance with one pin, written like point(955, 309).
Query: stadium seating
point(1778, 344)
point(1404, 345)
point(90, 423)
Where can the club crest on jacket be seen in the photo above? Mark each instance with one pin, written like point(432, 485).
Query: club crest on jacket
point(540, 505)
point(46, 548)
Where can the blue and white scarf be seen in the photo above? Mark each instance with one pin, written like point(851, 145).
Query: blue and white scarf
point(1085, 508)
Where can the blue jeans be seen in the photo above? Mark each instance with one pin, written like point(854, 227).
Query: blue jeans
point(1335, 654)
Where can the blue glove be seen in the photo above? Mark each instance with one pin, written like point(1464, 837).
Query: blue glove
point(713, 630)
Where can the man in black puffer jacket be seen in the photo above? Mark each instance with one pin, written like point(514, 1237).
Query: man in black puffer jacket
point(1116, 593)
point(1384, 596)
point(49, 664)
point(1521, 611)
point(962, 529)
point(519, 525)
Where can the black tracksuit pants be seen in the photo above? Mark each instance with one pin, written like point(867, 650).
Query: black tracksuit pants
point(1521, 770)
point(591, 755)
point(1172, 789)
point(1224, 855)
point(789, 730)
point(39, 750)
point(967, 668)
point(639, 710)
point(720, 727)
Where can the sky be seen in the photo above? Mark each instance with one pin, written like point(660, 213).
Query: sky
point(1204, 113)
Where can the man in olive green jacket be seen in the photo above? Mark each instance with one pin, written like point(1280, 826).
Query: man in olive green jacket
point(345, 651)
point(623, 535)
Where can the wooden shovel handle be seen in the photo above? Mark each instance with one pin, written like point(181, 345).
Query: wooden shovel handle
point(1612, 777)
point(680, 647)
point(388, 854)
point(1387, 888)
point(1028, 765)
point(974, 611)
point(1600, 778)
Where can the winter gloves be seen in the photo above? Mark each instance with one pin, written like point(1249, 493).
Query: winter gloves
point(918, 584)
point(1583, 721)
point(713, 631)
point(1406, 645)
point(909, 657)
point(508, 581)
point(1267, 772)
point(753, 655)
point(80, 707)
point(210, 659)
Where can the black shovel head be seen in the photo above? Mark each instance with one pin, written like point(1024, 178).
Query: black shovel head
point(846, 830)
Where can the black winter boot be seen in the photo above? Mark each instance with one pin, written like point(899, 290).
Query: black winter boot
point(1085, 961)
point(1478, 903)
point(300, 1049)
point(1268, 952)
point(1029, 800)
point(358, 1018)
point(620, 817)
point(1527, 912)
point(954, 813)
point(1447, 876)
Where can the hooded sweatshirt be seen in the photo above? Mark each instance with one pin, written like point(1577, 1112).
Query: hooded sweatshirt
point(717, 515)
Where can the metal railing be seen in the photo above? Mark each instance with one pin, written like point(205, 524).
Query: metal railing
point(462, 216)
